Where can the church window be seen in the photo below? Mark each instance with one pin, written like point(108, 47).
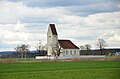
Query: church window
point(71, 52)
point(79, 51)
point(74, 52)
point(66, 52)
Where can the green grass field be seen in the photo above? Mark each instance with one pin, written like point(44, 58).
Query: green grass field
point(61, 70)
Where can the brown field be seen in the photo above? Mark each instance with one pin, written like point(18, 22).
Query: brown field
point(15, 60)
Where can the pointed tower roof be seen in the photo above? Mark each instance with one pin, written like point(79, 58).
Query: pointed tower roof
point(53, 29)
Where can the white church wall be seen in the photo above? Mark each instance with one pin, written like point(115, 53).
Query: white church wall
point(82, 56)
point(49, 50)
point(49, 41)
point(49, 37)
point(71, 52)
point(52, 40)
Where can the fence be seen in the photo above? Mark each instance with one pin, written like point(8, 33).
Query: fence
point(67, 57)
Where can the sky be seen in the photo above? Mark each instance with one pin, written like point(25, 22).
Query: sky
point(81, 21)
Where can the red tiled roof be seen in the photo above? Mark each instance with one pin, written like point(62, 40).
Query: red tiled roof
point(67, 44)
point(53, 29)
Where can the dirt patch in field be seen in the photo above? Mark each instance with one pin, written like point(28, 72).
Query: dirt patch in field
point(7, 61)
point(112, 58)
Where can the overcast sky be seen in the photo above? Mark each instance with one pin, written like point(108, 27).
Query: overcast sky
point(81, 21)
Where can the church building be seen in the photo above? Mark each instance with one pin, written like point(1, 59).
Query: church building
point(67, 47)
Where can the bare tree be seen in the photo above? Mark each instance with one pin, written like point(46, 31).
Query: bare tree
point(82, 47)
point(39, 47)
point(88, 47)
point(57, 50)
point(101, 44)
point(23, 49)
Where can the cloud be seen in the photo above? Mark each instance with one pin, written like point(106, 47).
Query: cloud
point(91, 27)
point(12, 12)
point(53, 3)
point(109, 20)
point(116, 37)
point(13, 34)
point(76, 7)
point(85, 10)
point(20, 11)
point(26, 21)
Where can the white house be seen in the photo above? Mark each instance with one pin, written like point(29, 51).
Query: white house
point(68, 48)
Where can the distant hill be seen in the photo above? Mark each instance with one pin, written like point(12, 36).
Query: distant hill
point(14, 54)
point(6, 52)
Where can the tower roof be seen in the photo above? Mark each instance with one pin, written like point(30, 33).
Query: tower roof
point(67, 44)
point(53, 29)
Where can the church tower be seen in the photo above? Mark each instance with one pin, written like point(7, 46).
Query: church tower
point(52, 38)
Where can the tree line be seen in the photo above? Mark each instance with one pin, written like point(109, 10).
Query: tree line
point(23, 49)
point(101, 44)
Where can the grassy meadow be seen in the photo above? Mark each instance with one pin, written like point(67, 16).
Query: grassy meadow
point(61, 70)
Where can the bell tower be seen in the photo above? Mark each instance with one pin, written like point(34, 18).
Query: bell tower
point(52, 38)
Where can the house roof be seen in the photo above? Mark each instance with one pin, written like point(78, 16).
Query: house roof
point(53, 29)
point(67, 44)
